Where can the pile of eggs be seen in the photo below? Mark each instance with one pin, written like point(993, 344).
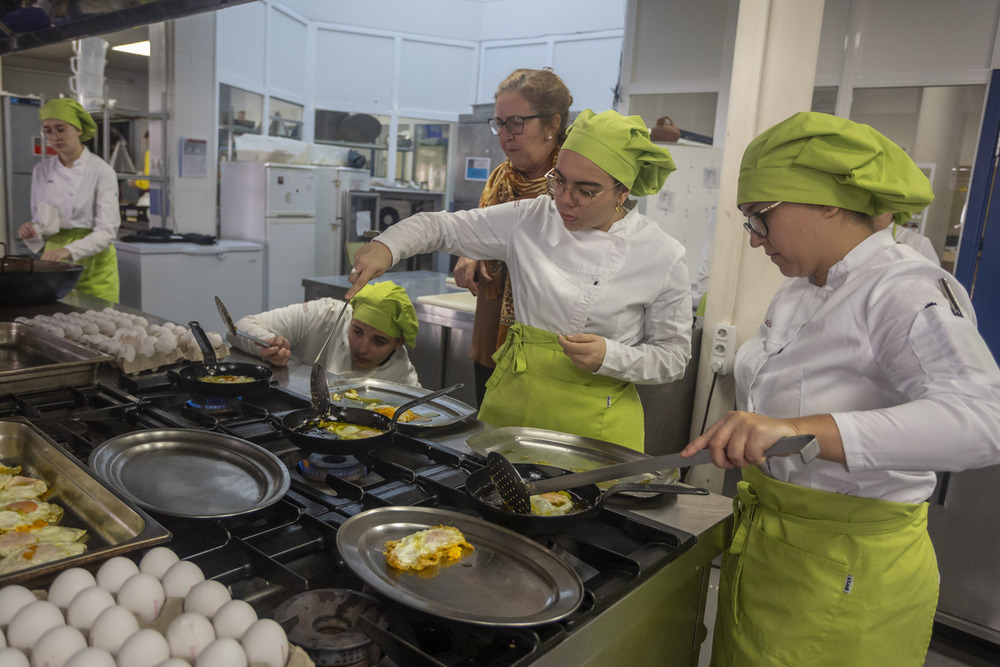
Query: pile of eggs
point(136, 344)
point(116, 618)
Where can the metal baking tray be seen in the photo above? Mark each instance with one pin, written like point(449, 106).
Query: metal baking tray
point(441, 411)
point(562, 450)
point(507, 580)
point(33, 359)
point(191, 473)
point(113, 527)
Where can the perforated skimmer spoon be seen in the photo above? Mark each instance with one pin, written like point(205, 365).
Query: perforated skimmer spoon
point(319, 389)
point(516, 494)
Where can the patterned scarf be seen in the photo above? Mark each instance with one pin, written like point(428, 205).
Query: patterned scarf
point(507, 184)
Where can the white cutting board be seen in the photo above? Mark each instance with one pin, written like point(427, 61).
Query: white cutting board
point(463, 301)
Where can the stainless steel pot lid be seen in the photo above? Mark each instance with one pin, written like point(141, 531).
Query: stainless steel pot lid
point(508, 580)
point(191, 473)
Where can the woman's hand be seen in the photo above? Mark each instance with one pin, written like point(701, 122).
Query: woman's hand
point(586, 351)
point(27, 231)
point(740, 438)
point(56, 255)
point(278, 353)
point(371, 261)
point(465, 273)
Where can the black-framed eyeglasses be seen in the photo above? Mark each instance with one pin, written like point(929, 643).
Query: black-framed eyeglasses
point(514, 124)
point(756, 224)
point(580, 196)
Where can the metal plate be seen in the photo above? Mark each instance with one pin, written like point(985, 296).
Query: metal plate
point(562, 450)
point(507, 580)
point(113, 527)
point(191, 473)
point(442, 411)
point(33, 359)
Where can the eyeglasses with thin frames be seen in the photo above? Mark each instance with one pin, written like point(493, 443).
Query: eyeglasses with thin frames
point(514, 124)
point(580, 197)
point(756, 224)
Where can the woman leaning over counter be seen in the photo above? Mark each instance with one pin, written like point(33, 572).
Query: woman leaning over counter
point(74, 200)
point(875, 351)
point(602, 295)
point(531, 112)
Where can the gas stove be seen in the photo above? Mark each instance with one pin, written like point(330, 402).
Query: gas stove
point(274, 554)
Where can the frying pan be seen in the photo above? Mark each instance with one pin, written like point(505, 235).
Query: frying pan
point(588, 499)
point(191, 376)
point(26, 281)
point(300, 425)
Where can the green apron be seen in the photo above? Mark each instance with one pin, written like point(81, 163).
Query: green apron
point(100, 271)
point(536, 384)
point(820, 578)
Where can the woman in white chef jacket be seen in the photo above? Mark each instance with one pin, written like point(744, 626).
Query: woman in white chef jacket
point(74, 200)
point(875, 351)
point(601, 294)
point(371, 341)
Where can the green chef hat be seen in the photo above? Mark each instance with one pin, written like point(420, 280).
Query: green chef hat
point(620, 145)
point(386, 307)
point(70, 111)
point(816, 158)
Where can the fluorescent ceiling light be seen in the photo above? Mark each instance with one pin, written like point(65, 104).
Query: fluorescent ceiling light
point(138, 48)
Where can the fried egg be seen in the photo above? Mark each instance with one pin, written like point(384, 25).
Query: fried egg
point(34, 511)
point(15, 539)
point(38, 554)
point(426, 547)
point(18, 487)
point(556, 503)
point(389, 411)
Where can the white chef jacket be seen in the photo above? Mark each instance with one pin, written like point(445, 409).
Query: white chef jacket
point(306, 326)
point(912, 386)
point(915, 240)
point(86, 196)
point(629, 284)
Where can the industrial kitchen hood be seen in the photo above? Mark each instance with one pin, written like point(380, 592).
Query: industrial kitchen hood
point(26, 24)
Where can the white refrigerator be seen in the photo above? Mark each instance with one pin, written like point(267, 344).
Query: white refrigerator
point(274, 205)
point(334, 212)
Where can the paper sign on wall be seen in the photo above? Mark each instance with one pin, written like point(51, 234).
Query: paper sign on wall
point(363, 222)
point(477, 168)
point(194, 158)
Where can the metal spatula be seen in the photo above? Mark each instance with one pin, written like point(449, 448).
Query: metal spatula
point(231, 326)
point(319, 390)
point(516, 494)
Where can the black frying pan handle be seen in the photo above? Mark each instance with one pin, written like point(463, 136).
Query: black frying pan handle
point(207, 351)
point(421, 400)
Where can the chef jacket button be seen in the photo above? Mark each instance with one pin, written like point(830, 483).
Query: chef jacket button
point(595, 282)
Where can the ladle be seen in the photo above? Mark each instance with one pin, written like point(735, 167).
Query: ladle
point(516, 494)
point(319, 389)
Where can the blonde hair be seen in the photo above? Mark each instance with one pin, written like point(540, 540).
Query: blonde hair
point(546, 93)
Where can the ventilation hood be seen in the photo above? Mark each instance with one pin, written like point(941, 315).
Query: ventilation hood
point(26, 24)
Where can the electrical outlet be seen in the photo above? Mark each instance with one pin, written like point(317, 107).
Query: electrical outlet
point(723, 349)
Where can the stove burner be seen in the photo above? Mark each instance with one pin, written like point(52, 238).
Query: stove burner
point(318, 466)
point(215, 406)
point(325, 625)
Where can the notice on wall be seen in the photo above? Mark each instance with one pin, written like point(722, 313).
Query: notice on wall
point(363, 222)
point(477, 168)
point(194, 158)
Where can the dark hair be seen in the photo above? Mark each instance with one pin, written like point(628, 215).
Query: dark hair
point(546, 93)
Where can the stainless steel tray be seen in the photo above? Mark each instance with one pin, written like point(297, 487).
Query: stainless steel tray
point(191, 473)
point(441, 411)
point(507, 580)
point(34, 359)
point(113, 527)
point(562, 450)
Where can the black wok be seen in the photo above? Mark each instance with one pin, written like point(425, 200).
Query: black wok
point(300, 426)
point(26, 281)
point(193, 376)
point(587, 499)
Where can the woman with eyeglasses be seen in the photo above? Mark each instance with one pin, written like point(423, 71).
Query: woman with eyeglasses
point(875, 351)
point(602, 295)
point(74, 200)
point(530, 116)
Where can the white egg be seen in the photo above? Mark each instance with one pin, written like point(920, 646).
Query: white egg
point(140, 321)
point(56, 646)
point(148, 347)
point(31, 622)
point(67, 584)
point(12, 599)
point(112, 627)
point(107, 327)
point(86, 605)
point(11, 657)
point(206, 597)
point(225, 652)
point(174, 662)
point(188, 635)
point(144, 648)
point(266, 642)
point(143, 594)
point(91, 657)
point(127, 353)
point(113, 573)
point(233, 618)
point(157, 561)
point(181, 578)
